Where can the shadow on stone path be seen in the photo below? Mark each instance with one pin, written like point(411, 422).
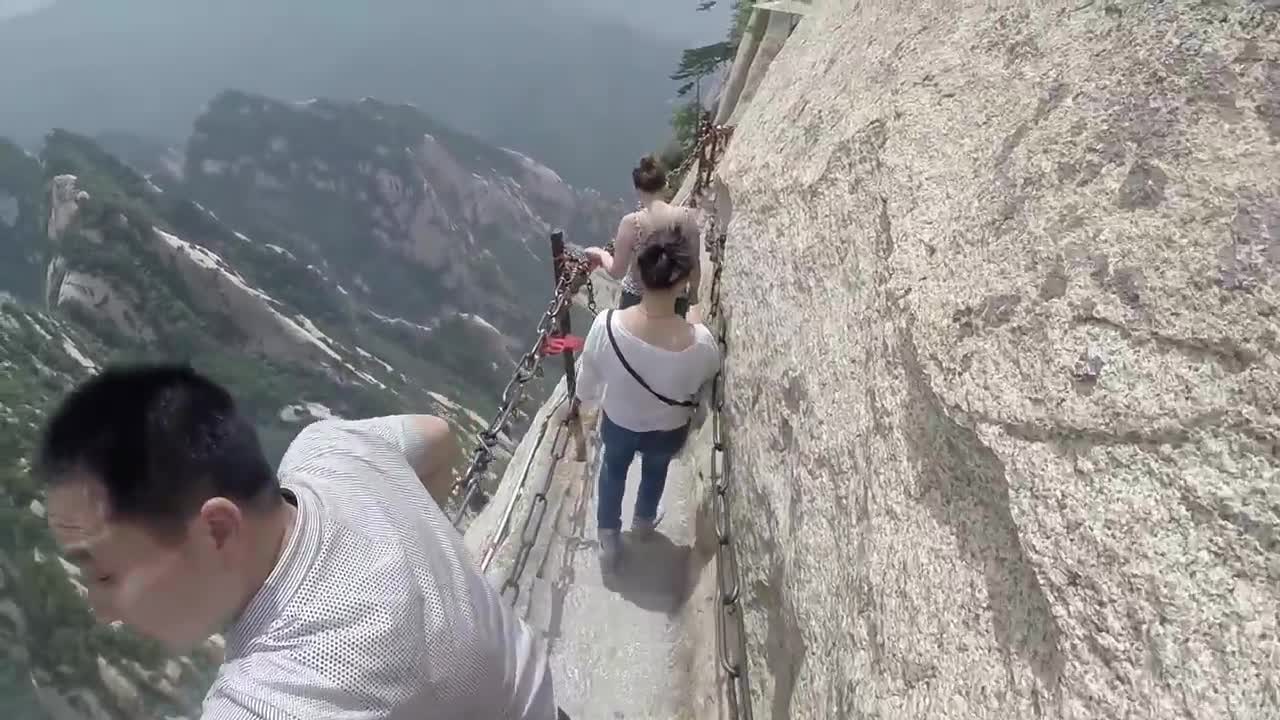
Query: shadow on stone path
point(615, 639)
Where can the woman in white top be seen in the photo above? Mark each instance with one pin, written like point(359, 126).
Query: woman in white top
point(654, 218)
point(644, 365)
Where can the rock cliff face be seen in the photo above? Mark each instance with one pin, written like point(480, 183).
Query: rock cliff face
point(1002, 283)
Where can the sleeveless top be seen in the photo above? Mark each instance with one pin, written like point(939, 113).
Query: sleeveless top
point(643, 225)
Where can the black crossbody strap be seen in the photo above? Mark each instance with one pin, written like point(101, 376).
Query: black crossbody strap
point(608, 324)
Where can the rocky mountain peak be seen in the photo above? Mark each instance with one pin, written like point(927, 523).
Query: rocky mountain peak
point(377, 193)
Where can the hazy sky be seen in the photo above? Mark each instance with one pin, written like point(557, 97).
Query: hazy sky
point(582, 85)
point(13, 7)
point(676, 19)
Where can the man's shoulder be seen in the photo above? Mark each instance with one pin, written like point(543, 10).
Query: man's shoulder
point(321, 433)
point(321, 679)
point(336, 437)
point(356, 630)
point(332, 427)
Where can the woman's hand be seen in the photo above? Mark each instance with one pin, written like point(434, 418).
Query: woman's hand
point(596, 256)
point(589, 415)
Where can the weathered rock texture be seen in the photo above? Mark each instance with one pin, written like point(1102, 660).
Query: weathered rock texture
point(1004, 375)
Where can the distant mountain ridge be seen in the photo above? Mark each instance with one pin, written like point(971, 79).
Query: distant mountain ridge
point(584, 93)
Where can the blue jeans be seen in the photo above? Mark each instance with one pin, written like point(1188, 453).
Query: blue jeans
point(629, 298)
point(656, 448)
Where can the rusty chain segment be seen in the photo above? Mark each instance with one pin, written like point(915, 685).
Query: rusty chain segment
point(537, 513)
point(713, 141)
point(469, 489)
point(729, 617)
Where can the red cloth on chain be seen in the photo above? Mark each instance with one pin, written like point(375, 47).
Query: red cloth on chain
point(566, 343)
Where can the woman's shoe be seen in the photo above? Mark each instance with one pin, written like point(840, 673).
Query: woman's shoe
point(643, 528)
point(610, 549)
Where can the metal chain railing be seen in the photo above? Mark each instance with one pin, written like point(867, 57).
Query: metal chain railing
point(713, 141)
point(689, 159)
point(469, 489)
point(728, 587)
point(536, 515)
point(504, 525)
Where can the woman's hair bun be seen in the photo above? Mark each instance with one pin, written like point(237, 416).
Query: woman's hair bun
point(649, 175)
point(665, 261)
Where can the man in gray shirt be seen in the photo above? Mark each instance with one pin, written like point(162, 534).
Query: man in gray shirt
point(343, 589)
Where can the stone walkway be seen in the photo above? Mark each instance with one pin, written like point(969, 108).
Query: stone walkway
point(638, 644)
point(615, 640)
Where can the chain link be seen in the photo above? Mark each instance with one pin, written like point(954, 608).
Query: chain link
point(537, 512)
point(712, 142)
point(469, 488)
point(577, 277)
point(591, 298)
point(579, 257)
point(684, 166)
point(729, 619)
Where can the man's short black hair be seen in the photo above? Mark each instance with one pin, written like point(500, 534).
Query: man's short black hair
point(162, 439)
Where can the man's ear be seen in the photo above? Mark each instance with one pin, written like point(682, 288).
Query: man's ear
point(219, 522)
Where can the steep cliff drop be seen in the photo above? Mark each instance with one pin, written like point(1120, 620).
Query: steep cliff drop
point(1003, 383)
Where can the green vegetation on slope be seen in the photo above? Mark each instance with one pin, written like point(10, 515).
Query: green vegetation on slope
point(305, 175)
point(46, 629)
point(697, 64)
point(112, 239)
point(22, 255)
point(357, 192)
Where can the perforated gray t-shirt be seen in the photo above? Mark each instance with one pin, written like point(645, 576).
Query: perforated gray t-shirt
point(375, 610)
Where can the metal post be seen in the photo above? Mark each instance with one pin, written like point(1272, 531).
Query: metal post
point(562, 320)
point(562, 329)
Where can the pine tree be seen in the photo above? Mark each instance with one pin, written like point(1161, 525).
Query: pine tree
point(697, 63)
